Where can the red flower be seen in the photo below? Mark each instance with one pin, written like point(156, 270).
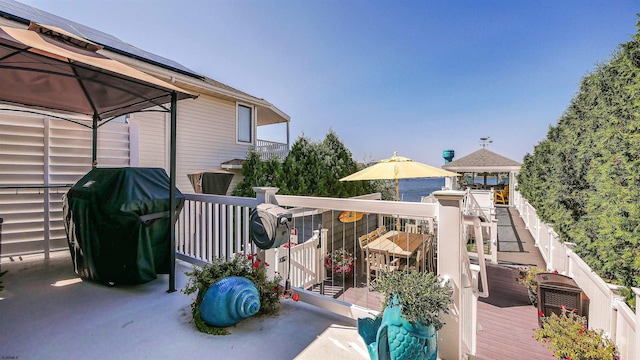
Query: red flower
point(256, 265)
point(266, 263)
point(555, 271)
point(250, 257)
point(540, 314)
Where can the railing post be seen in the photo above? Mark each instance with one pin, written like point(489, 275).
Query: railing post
point(550, 246)
point(568, 249)
point(450, 266)
point(637, 348)
point(265, 194)
point(494, 241)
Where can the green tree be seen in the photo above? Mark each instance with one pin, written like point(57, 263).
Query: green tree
point(310, 169)
point(585, 176)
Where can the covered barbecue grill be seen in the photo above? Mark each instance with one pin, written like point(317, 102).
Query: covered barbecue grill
point(118, 224)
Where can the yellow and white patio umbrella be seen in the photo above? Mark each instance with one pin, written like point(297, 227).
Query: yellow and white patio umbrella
point(398, 167)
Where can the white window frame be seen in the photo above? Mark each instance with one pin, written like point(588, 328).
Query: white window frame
point(252, 125)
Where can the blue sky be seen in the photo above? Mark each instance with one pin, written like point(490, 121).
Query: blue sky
point(415, 77)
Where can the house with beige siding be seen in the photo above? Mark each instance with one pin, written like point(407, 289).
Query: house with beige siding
point(41, 154)
point(218, 127)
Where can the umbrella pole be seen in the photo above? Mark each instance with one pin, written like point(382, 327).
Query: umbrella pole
point(397, 193)
point(397, 199)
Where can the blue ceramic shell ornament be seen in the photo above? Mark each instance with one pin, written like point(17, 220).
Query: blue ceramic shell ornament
point(230, 300)
point(394, 338)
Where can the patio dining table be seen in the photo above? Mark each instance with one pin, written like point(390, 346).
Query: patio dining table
point(398, 244)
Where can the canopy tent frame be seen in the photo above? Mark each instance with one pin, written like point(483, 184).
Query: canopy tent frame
point(47, 68)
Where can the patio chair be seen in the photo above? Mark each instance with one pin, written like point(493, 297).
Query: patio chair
point(379, 260)
point(501, 196)
point(411, 228)
point(363, 241)
point(424, 255)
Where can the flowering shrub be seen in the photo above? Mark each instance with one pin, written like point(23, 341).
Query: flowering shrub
point(339, 261)
point(569, 338)
point(248, 266)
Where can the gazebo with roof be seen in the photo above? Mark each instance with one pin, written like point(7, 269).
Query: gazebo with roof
point(486, 164)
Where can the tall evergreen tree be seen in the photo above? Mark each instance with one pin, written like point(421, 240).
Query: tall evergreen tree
point(310, 169)
point(585, 176)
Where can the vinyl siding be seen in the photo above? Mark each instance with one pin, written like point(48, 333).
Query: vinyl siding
point(152, 138)
point(206, 136)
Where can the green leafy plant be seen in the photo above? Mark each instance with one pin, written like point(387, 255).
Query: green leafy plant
point(422, 295)
point(248, 266)
point(569, 338)
point(339, 261)
point(583, 177)
point(528, 277)
point(311, 168)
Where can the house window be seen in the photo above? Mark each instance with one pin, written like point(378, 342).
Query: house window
point(245, 117)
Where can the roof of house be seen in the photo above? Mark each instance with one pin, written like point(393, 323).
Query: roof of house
point(483, 160)
point(232, 164)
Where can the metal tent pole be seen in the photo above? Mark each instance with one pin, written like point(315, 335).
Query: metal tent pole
point(172, 195)
point(94, 148)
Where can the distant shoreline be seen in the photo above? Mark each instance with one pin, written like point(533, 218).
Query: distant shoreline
point(413, 190)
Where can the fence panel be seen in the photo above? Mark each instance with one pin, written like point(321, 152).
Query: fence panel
point(625, 332)
point(606, 310)
point(596, 289)
point(211, 226)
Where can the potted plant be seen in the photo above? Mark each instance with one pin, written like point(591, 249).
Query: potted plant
point(246, 266)
point(570, 338)
point(407, 327)
point(339, 263)
point(528, 279)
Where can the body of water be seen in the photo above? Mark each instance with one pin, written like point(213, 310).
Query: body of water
point(414, 189)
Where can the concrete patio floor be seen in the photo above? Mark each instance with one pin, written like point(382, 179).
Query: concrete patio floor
point(85, 320)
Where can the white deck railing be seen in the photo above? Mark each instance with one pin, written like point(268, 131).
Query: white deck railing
point(217, 226)
point(480, 203)
point(607, 309)
point(212, 226)
point(268, 149)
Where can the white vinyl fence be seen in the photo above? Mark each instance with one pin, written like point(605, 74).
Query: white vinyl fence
point(40, 158)
point(607, 309)
point(217, 226)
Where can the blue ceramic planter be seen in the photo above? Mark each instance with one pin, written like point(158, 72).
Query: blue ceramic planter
point(391, 337)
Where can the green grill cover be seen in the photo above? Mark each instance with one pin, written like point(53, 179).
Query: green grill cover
point(117, 223)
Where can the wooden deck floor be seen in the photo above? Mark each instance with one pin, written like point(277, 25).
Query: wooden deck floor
point(507, 321)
